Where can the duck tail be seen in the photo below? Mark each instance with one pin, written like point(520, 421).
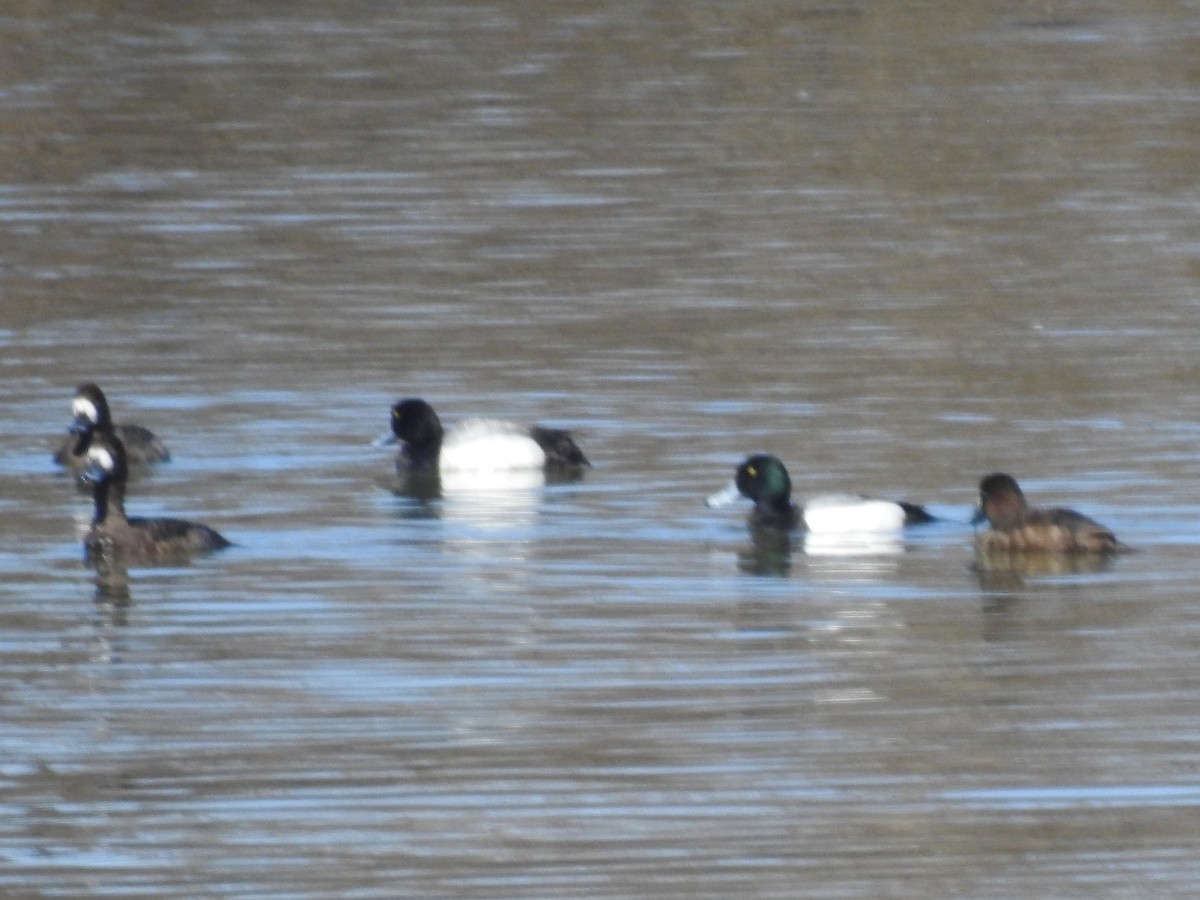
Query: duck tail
point(560, 448)
point(915, 514)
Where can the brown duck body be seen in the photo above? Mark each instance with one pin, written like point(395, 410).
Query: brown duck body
point(114, 536)
point(149, 540)
point(1016, 527)
point(1049, 531)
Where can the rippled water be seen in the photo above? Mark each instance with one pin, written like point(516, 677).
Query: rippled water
point(898, 246)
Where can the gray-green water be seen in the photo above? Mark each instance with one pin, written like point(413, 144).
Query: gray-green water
point(899, 245)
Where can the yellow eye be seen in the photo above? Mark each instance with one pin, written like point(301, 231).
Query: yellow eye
point(751, 471)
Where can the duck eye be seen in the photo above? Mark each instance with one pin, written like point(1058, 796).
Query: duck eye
point(751, 471)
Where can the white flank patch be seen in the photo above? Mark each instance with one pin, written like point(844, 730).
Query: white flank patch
point(82, 407)
point(484, 445)
point(496, 499)
point(849, 514)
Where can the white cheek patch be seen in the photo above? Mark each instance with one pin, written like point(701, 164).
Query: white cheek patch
point(101, 457)
point(84, 408)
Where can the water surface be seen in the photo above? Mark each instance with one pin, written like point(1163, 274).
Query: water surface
point(900, 247)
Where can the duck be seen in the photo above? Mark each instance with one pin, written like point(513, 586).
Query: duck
point(764, 479)
point(478, 445)
point(1016, 527)
point(113, 535)
point(91, 414)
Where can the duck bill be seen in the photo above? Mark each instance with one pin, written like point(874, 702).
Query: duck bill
point(723, 497)
point(385, 440)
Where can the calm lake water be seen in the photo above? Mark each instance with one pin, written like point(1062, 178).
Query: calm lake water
point(899, 245)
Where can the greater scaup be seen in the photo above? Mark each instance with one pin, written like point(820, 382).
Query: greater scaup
point(478, 445)
point(764, 479)
point(137, 540)
point(90, 412)
point(1015, 527)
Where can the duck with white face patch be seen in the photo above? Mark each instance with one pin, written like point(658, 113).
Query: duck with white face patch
point(90, 415)
point(114, 537)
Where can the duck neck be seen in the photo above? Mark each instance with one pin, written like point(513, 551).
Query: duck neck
point(784, 508)
point(1010, 512)
point(109, 499)
point(85, 434)
point(780, 503)
point(425, 447)
point(83, 440)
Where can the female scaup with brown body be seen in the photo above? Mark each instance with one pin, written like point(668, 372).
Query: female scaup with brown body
point(765, 480)
point(1015, 527)
point(91, 415)
point(133, 540)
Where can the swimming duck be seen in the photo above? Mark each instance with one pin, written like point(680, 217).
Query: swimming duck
point(113, 535)
point(1015, 527)
point(764, 479)
point(478, 445)
point(91, 414)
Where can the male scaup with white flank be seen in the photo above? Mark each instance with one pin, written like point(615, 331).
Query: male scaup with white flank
point(1016, 527)
point(90, 412)
point(115, 537)
point(478, 445)
point(764, 479)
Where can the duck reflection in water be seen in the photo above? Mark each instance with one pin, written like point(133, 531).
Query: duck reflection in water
point(113, 597)
point(1005, 570)
point(769, 553)
point(493, 500)
point(835, 556)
